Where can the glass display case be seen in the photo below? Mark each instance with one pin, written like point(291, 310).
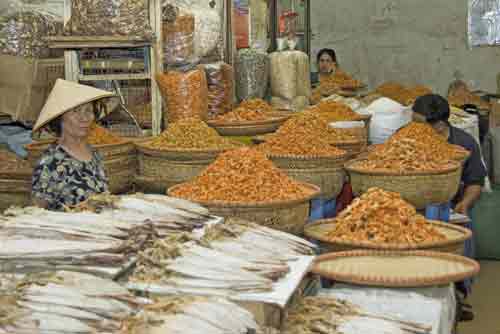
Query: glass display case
point(290, 19)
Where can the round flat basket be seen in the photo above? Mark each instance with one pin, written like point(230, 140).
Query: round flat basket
point(181, 154)
point(248, 128)
point(288, 216)
point(326, 173)
point(419, 189)
point(121, 172)
point(395, 269)
point(454, 243)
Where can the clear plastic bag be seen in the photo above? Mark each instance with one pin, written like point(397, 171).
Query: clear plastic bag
point(109, 18)
point(252, 74)
point(220, 77)
point(290, 76)
point(185, 94)
point(23, 31)
point(178, 39)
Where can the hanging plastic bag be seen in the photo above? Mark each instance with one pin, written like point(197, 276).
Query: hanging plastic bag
point(290, 75)
point(252, 74)
point(178, 39)
point(185, 94)
point(220, 77)
point(109, 18)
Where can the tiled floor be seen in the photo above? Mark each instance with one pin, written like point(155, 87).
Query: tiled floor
point(485, 300)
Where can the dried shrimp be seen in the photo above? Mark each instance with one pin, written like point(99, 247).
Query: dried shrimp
point(249, 110)
point(101, 136)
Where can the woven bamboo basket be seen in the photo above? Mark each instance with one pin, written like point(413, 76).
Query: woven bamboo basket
point(288, 216)
point(159, 170)
point(14, 192)
point(248, 128)
point(120, 162)
point(419, 189)
point(395, 268)
point(326, 173)
point(454, 243)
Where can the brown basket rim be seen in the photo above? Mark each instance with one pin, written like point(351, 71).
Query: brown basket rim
point(38, 143)
point(266, 122)
point(380, 280)
point(466, 234)
point(143, 148)
point(262, 138)
point(269, 204)
point(350, 168)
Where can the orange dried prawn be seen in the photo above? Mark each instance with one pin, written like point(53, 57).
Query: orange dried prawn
point(242, 175)
point(101, 136)
point(249, 110)
point(381, 216)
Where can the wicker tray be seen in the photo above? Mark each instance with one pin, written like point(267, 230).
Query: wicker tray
point(418, 188)
point(287, 216)
point(395, 269)
point(456, 237)
point(181, 154)
point(248, 128)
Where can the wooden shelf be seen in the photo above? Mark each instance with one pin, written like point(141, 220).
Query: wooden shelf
point(84, 42)
point(126, 76)
point(113, 64)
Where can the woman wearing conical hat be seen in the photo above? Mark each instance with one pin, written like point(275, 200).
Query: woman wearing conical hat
point(69, 171)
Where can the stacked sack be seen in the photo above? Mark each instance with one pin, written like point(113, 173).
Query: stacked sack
point(290, 80)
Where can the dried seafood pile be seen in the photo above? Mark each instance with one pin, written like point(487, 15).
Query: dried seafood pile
point(399, 93)
point(101, 243)
point(109, 18)
point(64, 302)
point(329, 84)
point(234, 257)
point(335, 111)
point(406, 155)
point(334, 316)
point(437, 143)
point(464, 97)
point(190, 133)
point(248, 110)
point(101, 136)
point(191, 315)
point(244, 175)
point(304, 136)
point(383, 217)
point(23, 33)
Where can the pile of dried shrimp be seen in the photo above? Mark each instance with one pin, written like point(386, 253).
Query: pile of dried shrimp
point(248, 110)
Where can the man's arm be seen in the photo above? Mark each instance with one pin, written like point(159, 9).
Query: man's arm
point(471, 195)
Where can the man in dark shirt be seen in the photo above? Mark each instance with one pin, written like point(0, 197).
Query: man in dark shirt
point(436, 111)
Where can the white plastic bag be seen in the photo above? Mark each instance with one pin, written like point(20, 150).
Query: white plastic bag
point(387, 117)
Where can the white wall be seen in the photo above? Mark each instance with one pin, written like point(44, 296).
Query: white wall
point(410, 41)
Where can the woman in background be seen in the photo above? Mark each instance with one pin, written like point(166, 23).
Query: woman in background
point(326, 62)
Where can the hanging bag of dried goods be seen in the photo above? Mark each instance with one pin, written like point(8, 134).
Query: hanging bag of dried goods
point(185, 94)
point(252, 74)
point(220, 78)
point(387, 117)
point(290, 80)
point(178, 39)
point(109, 18)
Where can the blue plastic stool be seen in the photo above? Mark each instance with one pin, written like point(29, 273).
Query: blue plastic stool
point(438, 212)
point(322, 208)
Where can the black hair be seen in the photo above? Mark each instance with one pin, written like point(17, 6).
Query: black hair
point(329, 52)
point(433, 107)
point(55, 126)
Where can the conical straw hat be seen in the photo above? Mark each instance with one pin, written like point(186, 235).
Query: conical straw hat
point(65, 96)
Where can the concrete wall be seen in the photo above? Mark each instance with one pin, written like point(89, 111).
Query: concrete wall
point(409, 41)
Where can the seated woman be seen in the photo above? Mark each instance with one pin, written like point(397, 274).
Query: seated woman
point(326, 62)
point(69, 171)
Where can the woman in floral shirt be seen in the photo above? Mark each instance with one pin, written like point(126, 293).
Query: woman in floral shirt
point(70, 170)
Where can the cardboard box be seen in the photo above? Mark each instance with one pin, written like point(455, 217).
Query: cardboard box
point(25, 85)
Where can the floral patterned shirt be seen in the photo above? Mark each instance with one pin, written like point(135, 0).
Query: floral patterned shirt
point(62, 180)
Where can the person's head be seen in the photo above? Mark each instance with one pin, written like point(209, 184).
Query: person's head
point(457, 87)
point(434, 109)
point(327, 60)
point(76, 122)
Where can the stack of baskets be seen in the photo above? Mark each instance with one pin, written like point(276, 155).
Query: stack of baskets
point(120, 162)
point(15, 180)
